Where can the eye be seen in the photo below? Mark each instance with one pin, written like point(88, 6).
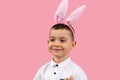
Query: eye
point(62, 40)
point(52, 40)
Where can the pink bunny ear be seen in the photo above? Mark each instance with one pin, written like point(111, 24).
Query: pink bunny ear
point(61, 11)
point(75, 15)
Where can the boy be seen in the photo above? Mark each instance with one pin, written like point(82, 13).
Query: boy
point(61, 67)
point(61, 42)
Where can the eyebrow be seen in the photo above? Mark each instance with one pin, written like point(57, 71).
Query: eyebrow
point(59, 37)
point(51, 37)
point(63, 38)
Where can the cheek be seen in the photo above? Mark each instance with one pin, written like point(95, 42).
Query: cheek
point(68, 47)
point(49, 45)
point(49, 48)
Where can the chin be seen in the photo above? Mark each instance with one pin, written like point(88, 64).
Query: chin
point(57, 55)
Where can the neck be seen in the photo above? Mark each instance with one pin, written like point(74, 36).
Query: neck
point(59, 59)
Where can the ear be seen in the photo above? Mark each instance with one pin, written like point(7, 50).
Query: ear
point(73, 43)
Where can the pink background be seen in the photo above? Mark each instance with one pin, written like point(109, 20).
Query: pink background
point(24, 27)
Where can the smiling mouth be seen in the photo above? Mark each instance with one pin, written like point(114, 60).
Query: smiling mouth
point(57, 49)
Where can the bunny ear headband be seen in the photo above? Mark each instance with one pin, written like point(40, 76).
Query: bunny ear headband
point(61, 11)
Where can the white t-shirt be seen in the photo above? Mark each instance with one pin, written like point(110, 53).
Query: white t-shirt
point(65, 69)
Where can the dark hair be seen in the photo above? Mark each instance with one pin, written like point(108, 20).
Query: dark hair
point(63, 26)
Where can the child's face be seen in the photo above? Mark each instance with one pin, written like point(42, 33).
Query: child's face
point(60, 43)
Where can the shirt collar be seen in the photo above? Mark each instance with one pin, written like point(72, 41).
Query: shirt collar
point(61, 64)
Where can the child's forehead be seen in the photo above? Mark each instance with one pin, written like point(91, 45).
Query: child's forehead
point(59, 30)
point(60, 33)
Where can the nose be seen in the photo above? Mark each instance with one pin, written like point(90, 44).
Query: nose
point(56, 44)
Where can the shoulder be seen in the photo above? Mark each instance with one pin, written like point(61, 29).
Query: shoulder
point(43, 67)
point(78, 72)
point(40, 71)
